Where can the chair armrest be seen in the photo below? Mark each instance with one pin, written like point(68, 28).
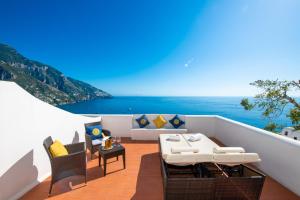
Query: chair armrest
point(76, 147)
point(106, 132)
point(88, 141)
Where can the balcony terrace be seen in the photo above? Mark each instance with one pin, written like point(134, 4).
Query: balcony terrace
point(140, 180)
point(25, 167)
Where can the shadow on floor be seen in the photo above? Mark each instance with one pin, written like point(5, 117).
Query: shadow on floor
point(15, 178)
point(66, 185)
point(149, 181)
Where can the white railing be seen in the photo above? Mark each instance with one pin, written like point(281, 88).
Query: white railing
point(280, 155)
point(26, 121)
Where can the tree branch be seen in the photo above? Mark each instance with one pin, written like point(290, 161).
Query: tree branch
point(292, 101)
point(296, 84)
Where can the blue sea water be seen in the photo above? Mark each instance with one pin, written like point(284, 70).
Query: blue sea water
point(225, 106)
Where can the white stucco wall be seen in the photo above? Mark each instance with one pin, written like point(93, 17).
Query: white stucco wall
point(201, 124)
point(24, 123)
point(280, 155)
point(119, 125)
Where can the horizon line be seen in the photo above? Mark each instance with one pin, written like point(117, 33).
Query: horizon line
point(186, 96)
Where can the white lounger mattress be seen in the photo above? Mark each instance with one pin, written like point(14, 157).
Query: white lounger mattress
point(205, 153)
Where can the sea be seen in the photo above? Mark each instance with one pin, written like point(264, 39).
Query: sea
point(224, 106)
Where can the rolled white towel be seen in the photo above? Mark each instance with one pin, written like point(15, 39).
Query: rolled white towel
point(229, 150)
point(184, 149)
point(175, 138)
point(194, 137)
point(232, 159)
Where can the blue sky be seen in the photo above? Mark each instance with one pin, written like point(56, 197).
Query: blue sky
point(160, 48)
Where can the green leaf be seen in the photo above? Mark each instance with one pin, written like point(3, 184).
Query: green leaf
point(246, 104)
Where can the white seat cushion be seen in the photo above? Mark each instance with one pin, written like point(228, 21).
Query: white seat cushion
point(96, 142)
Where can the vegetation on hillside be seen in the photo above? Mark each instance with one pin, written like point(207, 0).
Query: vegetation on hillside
point(44, 81)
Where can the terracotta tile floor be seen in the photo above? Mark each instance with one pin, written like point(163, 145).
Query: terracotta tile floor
point(141, 180)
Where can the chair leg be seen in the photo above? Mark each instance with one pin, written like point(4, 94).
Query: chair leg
point(50, 190)
point(241, 170)
point(85, 173)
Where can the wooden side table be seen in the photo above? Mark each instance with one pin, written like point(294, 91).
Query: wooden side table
point(116, 151)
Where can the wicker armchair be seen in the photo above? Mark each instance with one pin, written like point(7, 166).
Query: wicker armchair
point(89, 145)
point(70, 165)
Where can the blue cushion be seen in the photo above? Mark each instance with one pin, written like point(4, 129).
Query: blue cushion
point(176, 121)
point(142, 121)
point(95, 132)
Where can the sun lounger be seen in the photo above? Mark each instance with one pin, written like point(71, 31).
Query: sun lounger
point(211, 173)
point(183, 152)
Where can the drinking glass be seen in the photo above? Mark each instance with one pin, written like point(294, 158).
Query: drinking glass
point(114, 140)
point(118, 140)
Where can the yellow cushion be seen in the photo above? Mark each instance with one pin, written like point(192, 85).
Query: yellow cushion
point(96, 131)
point(159, 121)
point(58, 149)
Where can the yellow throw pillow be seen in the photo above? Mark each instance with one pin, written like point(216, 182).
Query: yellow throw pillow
point(160, 121)
point(96, 131)
point(58, 149)
point(59, 142)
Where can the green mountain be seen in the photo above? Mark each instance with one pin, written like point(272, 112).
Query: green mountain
point(44, 81)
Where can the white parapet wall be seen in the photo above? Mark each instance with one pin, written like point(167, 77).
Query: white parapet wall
point(119, 125)
point(280, 155)
point(201, 124)
point(25, 122)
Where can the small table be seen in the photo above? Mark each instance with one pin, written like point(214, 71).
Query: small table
point(114, 152)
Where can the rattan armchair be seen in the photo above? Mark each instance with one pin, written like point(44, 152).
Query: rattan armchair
point(89, 144)
point(70, 165)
